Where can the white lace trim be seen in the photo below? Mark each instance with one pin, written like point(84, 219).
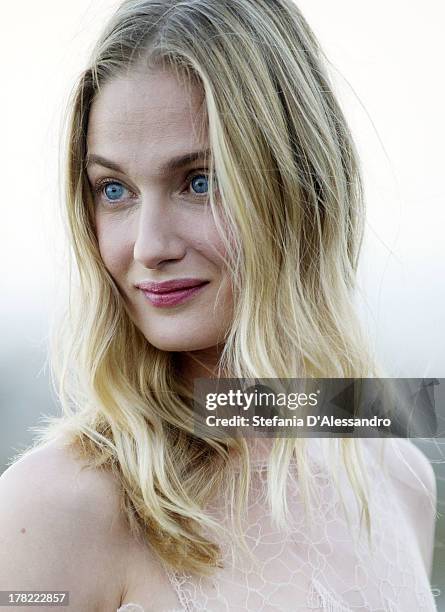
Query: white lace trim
point(318, 597)
point(323, 566)
point(132, 607)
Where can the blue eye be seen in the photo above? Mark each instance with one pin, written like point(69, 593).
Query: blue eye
point(113, 191)
point(200, 183)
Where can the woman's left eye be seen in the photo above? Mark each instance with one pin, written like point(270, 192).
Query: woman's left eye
point(199, 183)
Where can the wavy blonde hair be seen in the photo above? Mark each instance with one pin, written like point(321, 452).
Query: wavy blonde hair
point(291, 214)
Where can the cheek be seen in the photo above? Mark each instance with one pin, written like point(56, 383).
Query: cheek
point(212, 244)
point(115, 245)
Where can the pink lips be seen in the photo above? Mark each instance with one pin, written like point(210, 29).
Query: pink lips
point(171, 293)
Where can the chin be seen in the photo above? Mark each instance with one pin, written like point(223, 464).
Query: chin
point(179, 343)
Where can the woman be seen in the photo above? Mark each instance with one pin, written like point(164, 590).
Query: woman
point(215, 211)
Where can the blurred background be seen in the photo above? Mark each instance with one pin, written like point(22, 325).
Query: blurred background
point(385, 60)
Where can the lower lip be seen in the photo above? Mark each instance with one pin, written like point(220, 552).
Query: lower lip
point(162, 300)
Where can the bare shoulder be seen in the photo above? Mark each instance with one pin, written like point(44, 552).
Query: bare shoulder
point(54, 469)
point(414, 482)
point(61, 528)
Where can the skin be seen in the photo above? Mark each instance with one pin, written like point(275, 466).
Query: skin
point(159, 227)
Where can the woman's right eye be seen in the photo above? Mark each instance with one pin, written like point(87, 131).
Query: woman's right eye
point(111, 190)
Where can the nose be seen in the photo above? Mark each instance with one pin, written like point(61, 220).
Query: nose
point(157, 239)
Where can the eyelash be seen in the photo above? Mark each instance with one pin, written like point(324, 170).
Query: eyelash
point(100, 185)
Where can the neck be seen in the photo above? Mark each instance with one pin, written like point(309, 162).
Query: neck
point(198, 364)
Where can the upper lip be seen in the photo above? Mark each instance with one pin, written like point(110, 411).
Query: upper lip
point(170, 285)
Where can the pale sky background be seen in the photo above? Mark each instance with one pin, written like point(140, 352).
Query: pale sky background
point(387, 58)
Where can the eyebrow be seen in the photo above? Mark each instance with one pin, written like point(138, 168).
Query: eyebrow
point(175, 163)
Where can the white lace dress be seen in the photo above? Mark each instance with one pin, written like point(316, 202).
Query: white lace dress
point(319, 565)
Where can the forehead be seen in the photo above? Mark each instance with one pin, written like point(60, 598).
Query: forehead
point(146, 113)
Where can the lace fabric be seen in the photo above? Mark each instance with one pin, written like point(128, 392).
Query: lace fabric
point(132, 607)
point(317, 565)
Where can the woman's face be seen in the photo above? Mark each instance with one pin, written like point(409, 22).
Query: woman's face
point(151, 219)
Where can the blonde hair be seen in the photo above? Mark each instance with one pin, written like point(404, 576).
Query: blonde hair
point(291, 213)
